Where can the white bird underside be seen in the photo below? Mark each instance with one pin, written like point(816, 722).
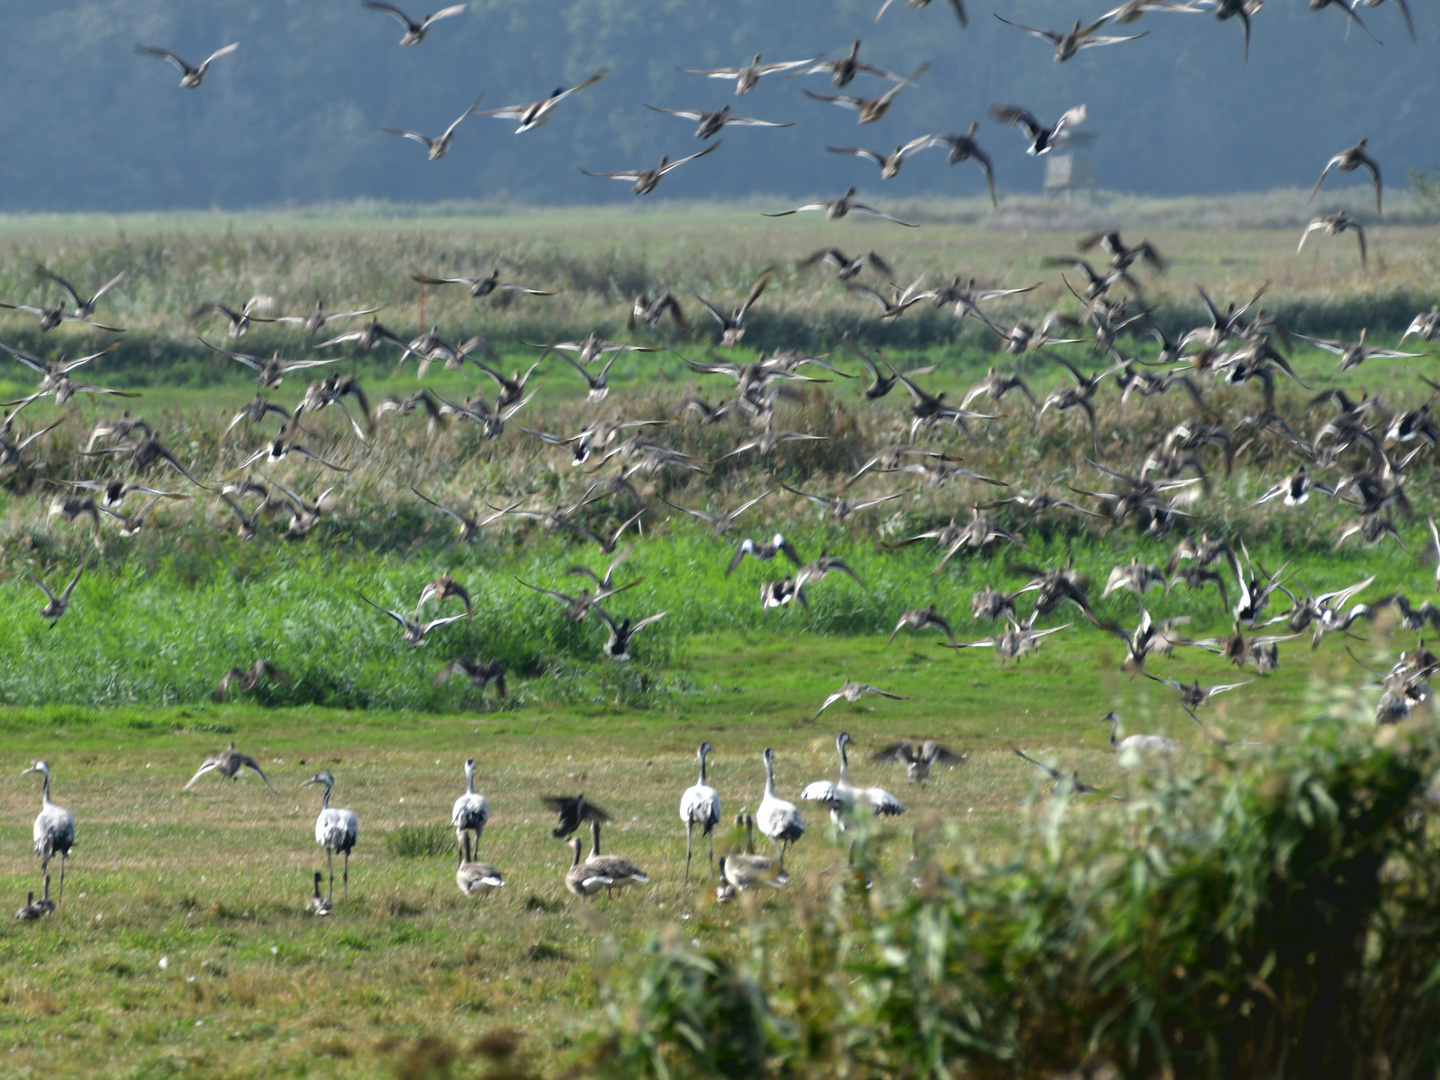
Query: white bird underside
point(700, 805)
point(54, 831)
point(337, 830)
point(470, 812)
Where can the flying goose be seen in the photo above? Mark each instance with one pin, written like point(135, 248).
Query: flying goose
point(272, 372)
point(54, 829)
point(963, 148)
point(190, 77)
point(56, 606)
point(646, 180)
point(593, 348)
point(535, 113)
point(413, 631)
point(248, 528)
point(434, 148)
point(775, 594)
point(889, 163)
point(1404, 10)
point(1133, 10)
point(1348, 161)
point(239, 321)
point(700, 805)
point(479, 671)
point(1352, 355)
point(476, 878)
point(1241, 9)
point(851, 692)
point(957, 6)
point(1296, 488)
point(255, 410)
point(1071, 783)
point(778, 819)
point(336, 830)
point(732, 325)
point(996, 386)
point(841, 797)
point(1335, 224)
point(712, 123)
point(574, 810)
point(992, 605)
point(1191, 698)
point(1349, 10)
point(619, 872)
point(246, 680)
point(768, 441)
point(319, 318)
point(843, 71)
point(837, 208)
point(918, 762)
point(846, 267)
point(480, 287)
point(617, 647)
point(415, 32)
point(748, 77)
point(577, 607)
point(1133, 578)
point(870, 109)
point(1068, 42)
point(10, 451)
point(766, 552)
point(368, 338)
point(839, 507)
point(84, 307)
point(228, 764)
point(443, 588)
point(1042, 139)
point(1013, 643)
point(492, 421)
point(721, 522)
point(650, 312)
point(920, 619)
point(281, 447)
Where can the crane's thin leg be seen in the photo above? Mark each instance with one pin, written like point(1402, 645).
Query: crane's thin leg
point(347, 876)
point(689, 832)
point(711, 834)
point(330, 865)
point(62, 879)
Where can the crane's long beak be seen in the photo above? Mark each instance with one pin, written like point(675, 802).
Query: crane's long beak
point(307, 783)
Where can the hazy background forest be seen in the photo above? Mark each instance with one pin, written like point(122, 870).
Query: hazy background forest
point(292, 117)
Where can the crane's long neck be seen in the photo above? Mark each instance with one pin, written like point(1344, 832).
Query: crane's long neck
point(325, 799)
point(45, 788)
point(769, 779)
point(749, 834)
point(844, 762)
point(470, 780)
point(702, 769)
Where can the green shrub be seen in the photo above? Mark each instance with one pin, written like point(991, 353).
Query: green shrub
point(420, 841)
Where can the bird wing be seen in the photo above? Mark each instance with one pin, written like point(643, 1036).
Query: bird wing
point(878, 159)
point(422, 139)
point(391, 9)
point(755, 290)
point(58, 280)
point(444, 13)
point(163, 54)
point(1049, 35)
point(845, 101)
point(676, 164)
point(404, 623)
point(713, 73)
point(226, 51)
point(1091, 42)
point(863, 208)
point(1168, 682)
point(824, 792)
point(629, 177)
point(1211, 691)
point(1053, 773)
point(209, 764)
point(433, 623)
point(746, 121)
point(787, 65)
point(828, 702)
point(883, 693)
point(1014, 115)
point(688, 114)
point(637, 627)
point(250, 763)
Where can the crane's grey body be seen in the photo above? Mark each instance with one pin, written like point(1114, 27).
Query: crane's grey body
point(54, 831)
point(471, 811)
point(700, 805)
point(336, 830)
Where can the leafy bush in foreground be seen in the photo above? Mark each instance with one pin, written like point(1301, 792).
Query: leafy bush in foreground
point(1267, 913)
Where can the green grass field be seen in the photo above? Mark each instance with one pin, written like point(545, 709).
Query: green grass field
point(213, 881)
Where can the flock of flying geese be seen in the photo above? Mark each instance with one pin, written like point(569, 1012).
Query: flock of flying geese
point(1370, 443)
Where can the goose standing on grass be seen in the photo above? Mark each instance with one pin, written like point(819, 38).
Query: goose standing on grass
point(228, 764)
point(317, 904)
point(744, 869)
point(841, 797)
point(700, 805)
point(620, 872)
point(778, 819)
point(336, 831)
point(54, 831)
point(582, 879)
point(476, 878)
point(1137, 742)
point(471, 811)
